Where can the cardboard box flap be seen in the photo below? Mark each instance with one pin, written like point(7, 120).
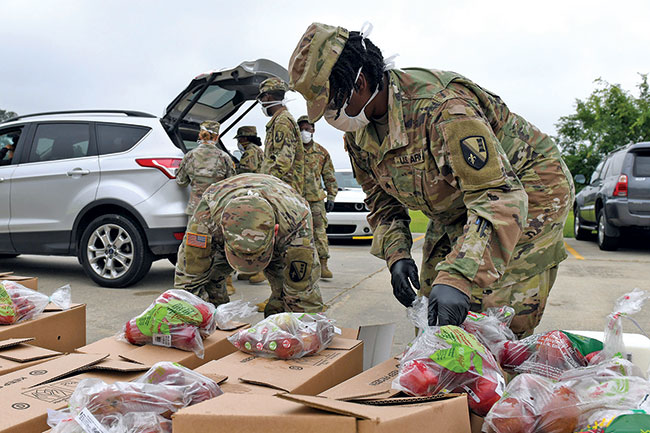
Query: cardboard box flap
point(400, 401)
point(150, 354)
point(336, 406)
point(14, 342)
point(375, 382)
point(218, 378)
point(54, 307)
point(377, 343)
point(339, 343)
point(26, 353)
point(236, 325)
point(349, 333)
point(119, 366)
point(66, 365)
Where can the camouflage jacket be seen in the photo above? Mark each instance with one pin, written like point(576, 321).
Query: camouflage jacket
point(284, 156)
point(292, 215)
point(251, 159)
point(319, 165)
point(485, 177)
point(200, 168)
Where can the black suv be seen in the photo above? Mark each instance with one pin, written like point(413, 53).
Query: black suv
point(617, 198)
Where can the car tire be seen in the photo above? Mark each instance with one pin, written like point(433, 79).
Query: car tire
point(579, 233)
point(8, 256)
point(172, 259)
point(605, 242)
point(113, 251)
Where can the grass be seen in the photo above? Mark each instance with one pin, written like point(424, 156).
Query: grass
point(419, 223)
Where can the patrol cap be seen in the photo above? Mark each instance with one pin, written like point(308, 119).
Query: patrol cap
point(273, 84)
point(211, 126)
point(246, 131)
point(248, 224)
point(304, 118)
point(311, 64)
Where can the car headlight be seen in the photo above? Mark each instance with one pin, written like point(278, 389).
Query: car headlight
point(359, 207)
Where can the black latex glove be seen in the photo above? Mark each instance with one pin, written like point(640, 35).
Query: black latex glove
point(329, 206)
point(447, 305)
point(400, 273)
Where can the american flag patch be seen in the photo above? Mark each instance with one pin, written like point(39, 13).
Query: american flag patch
point(196, 240)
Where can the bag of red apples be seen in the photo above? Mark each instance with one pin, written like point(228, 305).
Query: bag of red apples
point(286, 336)
point(18, 303)
point(445, 359)
point(181, 320)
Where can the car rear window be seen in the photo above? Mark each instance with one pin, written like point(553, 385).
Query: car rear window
point(642, 165)
point(118, 138)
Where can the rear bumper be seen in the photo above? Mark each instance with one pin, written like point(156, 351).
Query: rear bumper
point(163, 242)
point(346, 225)
point(618, 214)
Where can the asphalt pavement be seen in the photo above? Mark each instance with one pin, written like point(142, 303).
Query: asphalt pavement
point(588, 283)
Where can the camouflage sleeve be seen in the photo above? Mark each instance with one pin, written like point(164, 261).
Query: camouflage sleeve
point(182, 178)
point(230, 166)
point(388, 218)
point(493, 195)
point(195, 256)
point(248, 162)
point(282, 150)
point(329, 178)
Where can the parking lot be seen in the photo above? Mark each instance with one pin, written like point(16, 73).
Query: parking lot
point(588, 283)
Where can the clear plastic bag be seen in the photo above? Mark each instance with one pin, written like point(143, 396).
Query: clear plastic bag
point(227, 315)
point(176, 319)
point(448, 359)
point(492, 327)
point(286, 336)
point(135, 422)
point(625, 306)
point(196, 387)
point(18, 303)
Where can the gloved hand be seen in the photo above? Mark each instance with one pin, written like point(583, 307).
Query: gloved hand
point(401, 272)
point(329, 206)
point(447, 305)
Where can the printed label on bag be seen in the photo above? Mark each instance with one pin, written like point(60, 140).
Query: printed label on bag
point(6, 304)
point(160, 316)
point(89, 423)
point(464, 352)
point(164, 340)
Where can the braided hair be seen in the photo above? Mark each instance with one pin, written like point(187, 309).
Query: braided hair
point(353, 57)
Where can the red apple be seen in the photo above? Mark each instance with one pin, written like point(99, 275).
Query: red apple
point(419, 377)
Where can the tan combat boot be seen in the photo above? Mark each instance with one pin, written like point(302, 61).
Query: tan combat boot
point(324, 271)
point(257, 278)
point(262, 305)
point(229, 286)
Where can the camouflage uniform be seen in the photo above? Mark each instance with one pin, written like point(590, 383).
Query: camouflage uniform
point(292, 270)
point(203, 166)
point(284, 156)
point(495, 188)
point(319, 164)
point(251, 159)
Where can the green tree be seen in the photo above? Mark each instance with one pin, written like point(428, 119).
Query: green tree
point(5, 115)
point(609, 118)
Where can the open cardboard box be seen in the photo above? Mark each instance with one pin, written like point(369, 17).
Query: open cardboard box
point(55, 329)
point(29, 282)
point(16, 354)
point(26, 394)
point(284, 413)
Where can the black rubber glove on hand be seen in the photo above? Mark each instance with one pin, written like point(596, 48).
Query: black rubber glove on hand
point(329, 206)
point(447, 305)
point(400, 273)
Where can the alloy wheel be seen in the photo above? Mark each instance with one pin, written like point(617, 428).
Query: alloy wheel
point(110, 251)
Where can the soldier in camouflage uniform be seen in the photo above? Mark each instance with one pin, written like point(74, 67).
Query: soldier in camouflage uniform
point(250, 223)
point(319, 164)
point(493, 186)
point(204, 165)
point(251, 147)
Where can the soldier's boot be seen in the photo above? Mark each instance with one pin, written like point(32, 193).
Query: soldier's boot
point(262, 305)
point(242, 276)
point(229, 286)
point(324, 270)
point(257, 278)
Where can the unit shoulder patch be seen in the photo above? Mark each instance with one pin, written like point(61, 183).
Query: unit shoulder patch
point(475, 151)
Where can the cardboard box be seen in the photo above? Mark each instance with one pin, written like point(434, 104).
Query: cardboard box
point(295, 413)
point(16, 354)
point(216, 346)
point(55, 329)
point(29, 282)
point(309, 375)
point(476, 423)
point(25, 395)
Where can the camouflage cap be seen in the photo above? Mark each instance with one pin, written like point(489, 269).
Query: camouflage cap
point(248, 224)
point(211, 126)
point(304, 118)
point(311, 64)
point(246, 131)
point(273, 84)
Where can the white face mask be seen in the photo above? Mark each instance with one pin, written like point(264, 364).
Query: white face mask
point(347, 123)
point(306, 136)
point(241, 147)
point(269, 104)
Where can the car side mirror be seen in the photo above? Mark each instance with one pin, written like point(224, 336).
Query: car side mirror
point(580, 178)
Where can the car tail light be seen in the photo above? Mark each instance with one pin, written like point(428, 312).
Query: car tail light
point(179, 236)
point(621, 186)
point(168, 166)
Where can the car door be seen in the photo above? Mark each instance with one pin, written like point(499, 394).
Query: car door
point(587, 211)
point(54, 181)
point(9, 139)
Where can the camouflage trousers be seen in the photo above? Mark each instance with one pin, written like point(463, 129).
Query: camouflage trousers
point(527, 297)
point(319, 218)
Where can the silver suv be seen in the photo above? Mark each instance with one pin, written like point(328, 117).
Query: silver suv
point(99, 184)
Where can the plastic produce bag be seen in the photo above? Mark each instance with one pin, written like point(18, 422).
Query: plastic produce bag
point(448, 359)
point(176, 319)
point(195, 386)
point(135, 422)
point(286, 336)
point(625, 306)
point(18, 303)
point(492, 327)
point(227, 315)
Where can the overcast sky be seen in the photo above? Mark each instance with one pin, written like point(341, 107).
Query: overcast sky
point(539, 57)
